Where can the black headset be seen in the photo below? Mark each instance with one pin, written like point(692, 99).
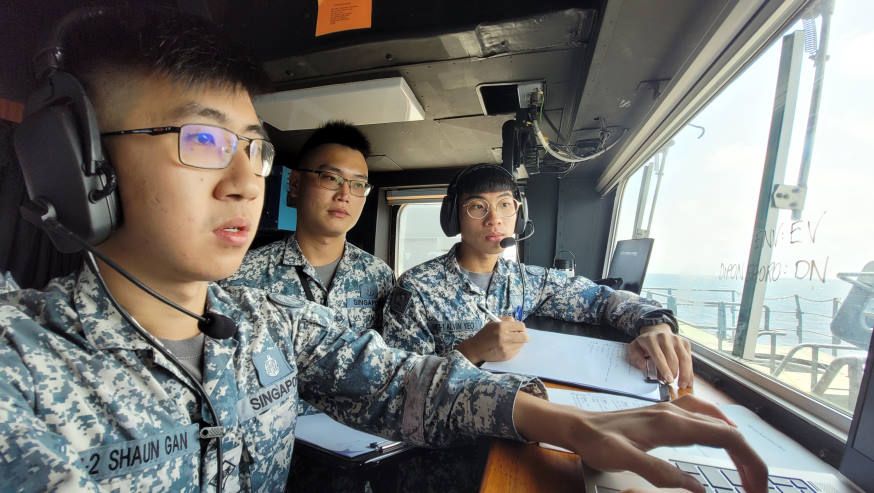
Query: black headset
point(449, 207)
point(62, 160)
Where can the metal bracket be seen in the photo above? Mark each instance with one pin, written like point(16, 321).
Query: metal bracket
point(788, 197)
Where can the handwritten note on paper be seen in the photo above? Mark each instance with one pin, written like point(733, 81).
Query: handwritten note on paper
point(343, 15)
point(577, 360)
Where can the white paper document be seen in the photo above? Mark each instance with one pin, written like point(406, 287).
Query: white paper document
point(577, 360)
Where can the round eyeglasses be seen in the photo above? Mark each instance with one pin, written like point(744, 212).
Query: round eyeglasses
point(479, 208)
point(211, 147)
point(333, 181)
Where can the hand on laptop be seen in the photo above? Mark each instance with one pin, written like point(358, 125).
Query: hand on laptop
point(671, 353)
point(496, 341)
point(619, 440)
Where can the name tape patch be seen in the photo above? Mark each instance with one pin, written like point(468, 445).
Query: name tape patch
point(454, 325)
point(135, 455)
point(271, 396)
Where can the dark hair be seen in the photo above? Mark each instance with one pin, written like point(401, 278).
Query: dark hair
point(335, 132)
point(485, 179)
point(187, 49)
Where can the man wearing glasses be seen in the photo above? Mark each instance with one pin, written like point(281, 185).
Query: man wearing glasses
point(328, 187)
point(453, 302)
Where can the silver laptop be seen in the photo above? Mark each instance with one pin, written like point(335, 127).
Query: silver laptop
point(856, 473)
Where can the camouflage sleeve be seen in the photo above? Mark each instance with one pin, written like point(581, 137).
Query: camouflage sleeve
point(32, 458)
point(385, 283)
point(405, 321)
point(578, 299)
point(426, 400)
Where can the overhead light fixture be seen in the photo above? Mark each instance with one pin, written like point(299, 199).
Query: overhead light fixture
point(359, 103)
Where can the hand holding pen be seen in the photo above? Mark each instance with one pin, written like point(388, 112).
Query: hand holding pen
point(498, 340)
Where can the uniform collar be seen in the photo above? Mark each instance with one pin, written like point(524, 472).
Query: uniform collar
point(293, 256)
point(103, 325)
point(452, 265)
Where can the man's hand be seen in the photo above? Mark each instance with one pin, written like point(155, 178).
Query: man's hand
point(619, 440)
point(496, 341)
point(671, 353)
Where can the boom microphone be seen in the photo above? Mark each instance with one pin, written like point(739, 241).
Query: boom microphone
point(510, 241)
point(212, 324)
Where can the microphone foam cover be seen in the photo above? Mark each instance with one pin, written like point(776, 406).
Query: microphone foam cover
point(508, 242)
point(217, 326)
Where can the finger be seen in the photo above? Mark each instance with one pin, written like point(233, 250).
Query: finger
point(656, 471)
point(656, 353)
point(686, 374)
point(636, 355)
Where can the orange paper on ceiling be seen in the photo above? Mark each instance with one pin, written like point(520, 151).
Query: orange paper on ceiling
point(343, 15)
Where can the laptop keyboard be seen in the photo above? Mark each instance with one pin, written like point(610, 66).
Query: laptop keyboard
point(722, 480)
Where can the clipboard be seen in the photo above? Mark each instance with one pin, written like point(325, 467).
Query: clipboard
point(326, 439)
point(586, 362)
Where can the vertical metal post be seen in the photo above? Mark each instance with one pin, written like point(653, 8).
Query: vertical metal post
point(642, 196)
point(755, 281)
point(819, 60)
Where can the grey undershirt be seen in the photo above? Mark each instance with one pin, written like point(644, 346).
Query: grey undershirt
point(480, 279)
point(326, 272)
point(189, 352)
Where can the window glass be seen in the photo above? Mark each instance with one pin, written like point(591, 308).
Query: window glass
point(419, 237)
point(809, 293)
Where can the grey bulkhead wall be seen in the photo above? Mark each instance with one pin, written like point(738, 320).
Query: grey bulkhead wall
point(569, 215)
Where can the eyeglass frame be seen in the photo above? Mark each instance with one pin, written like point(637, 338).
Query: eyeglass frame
point(153, 131)
point(489, 207)
point(367, 185)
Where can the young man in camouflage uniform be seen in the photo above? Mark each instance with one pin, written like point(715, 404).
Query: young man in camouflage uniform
point(328, 187)
point(437, 306)
point(89, 402)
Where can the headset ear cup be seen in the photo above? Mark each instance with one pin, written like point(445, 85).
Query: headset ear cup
point(61, 157)
point(449, 215)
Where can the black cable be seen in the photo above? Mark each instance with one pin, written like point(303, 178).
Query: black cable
point(208, 432)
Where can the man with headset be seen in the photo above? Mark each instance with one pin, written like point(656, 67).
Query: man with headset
point(452, 302)
point(91, 399)
point(328, 187)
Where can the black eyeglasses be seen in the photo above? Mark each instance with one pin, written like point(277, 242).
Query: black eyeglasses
point(479, 208)
point(211, 147)
point(333, 181)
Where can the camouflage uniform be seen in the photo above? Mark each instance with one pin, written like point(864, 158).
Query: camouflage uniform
point(434, 306)
point(358, 290)
point(87, 404)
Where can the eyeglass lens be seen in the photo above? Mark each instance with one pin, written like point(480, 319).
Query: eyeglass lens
point(333, 181)
point(206, 146)
point(479, 208)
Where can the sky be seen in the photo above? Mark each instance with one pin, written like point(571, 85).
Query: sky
point(707, 202)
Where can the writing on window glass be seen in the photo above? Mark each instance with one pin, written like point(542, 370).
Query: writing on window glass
point(786, 235)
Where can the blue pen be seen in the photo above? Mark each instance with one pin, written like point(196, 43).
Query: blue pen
point(518, 313)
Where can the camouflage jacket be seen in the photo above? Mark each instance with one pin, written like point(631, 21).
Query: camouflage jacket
point(434, 306)
point(357, 293)
point(87, 404)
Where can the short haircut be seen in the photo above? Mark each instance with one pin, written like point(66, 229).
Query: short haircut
point(485, 179)
point(334, 132)
point(186, 49)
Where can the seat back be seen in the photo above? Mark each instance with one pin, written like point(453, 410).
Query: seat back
point(854, 320)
